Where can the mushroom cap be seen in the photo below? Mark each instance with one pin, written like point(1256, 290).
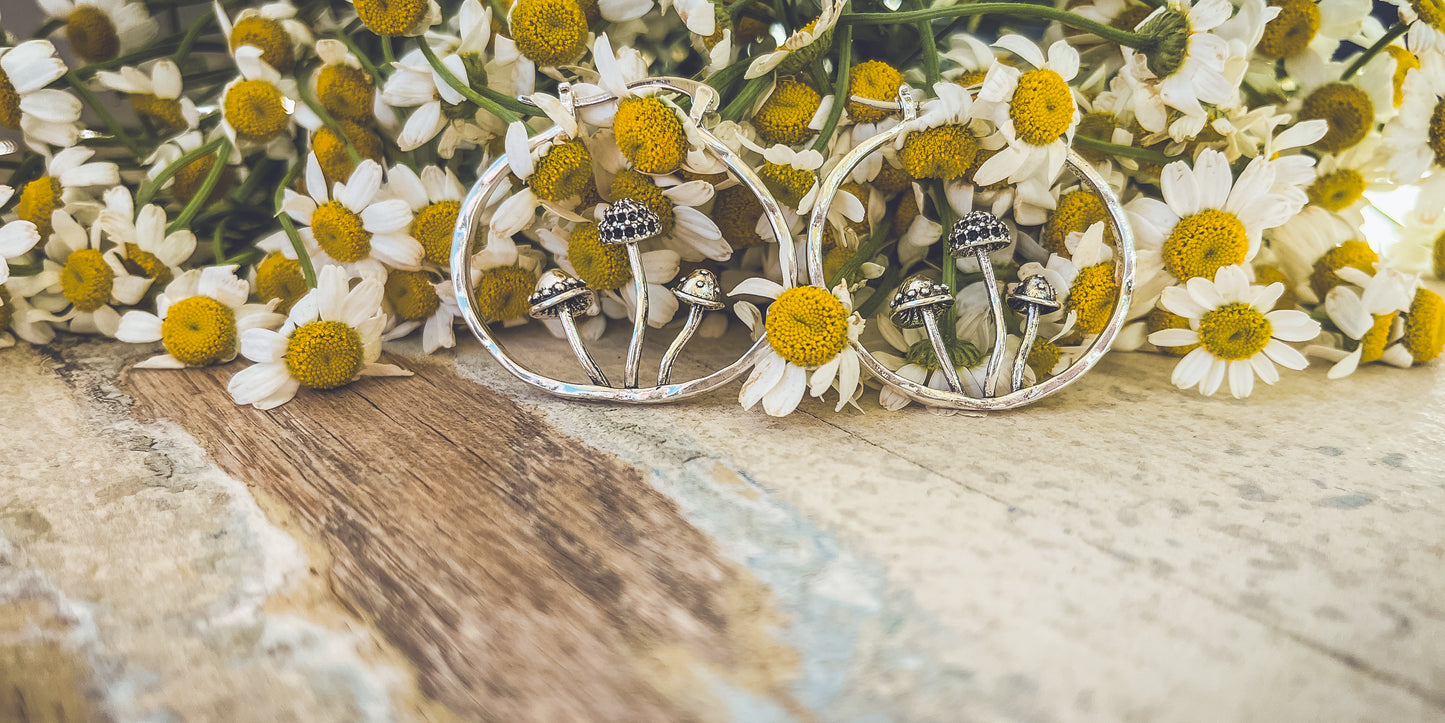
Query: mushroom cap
point(978, 230)
point(1035, 291)
point(700, 288)
point(626, 221)
point(558, 292)
point(917, 297)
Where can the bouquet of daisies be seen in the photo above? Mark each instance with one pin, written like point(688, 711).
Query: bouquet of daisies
point(281, 181)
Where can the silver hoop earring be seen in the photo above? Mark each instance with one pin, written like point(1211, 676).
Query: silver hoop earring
point(626, 223)
point(919, 302)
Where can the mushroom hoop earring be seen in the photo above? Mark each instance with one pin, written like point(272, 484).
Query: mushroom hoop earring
point(921, 303)
point(626, 222)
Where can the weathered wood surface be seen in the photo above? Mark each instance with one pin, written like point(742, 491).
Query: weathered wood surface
point(454, 545)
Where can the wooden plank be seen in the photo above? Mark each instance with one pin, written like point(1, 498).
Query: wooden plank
point(527, 575)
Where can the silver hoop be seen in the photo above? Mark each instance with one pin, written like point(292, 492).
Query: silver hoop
point(956, 398)
point(550, 295)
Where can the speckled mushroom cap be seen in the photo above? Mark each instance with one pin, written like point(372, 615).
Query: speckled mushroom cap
point(978, 230)
point(559, 291)
point(700, 288)
point(1034, 291)
point(627, 222)
point(917, 297)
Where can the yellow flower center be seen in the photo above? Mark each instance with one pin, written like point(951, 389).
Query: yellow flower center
point(1044, 355)
point(87, 279)
point(1337, 190)
point(1437, 132)
point(565, 171)
point(390, 17)
point(890, 180)
point(38, 200)
point(1076, 212)
point(807, 326)
point(1347, 110)
point(336, 164)
point(1266, 274)
point(1092, 296)
point(346, 92)
point(642, 189)
point(502, 293)
point(1425, 325)
point(411, 295)
point(604, 267)
point(1354, 253)
point(875, 80)
point(269, 36)
point(1372, 344)
point(1292, 30)
point(91, 34)
point(1234, 331)
point(165, 111)
point(945, 153)
point(1432, 12)
point(1405, 61)
point(787, 183)
point(324, 354)
point(1204, 243)
point(723, 22)
point(736, 210)
point(432, 227)
point(188, 180)
point(339, 232)
point(970, 78)
point(1437, 257)
point(1042, 108)
point(278, 277)
point(784, 116)
point(550, 32)
point(199, 331)
point(650, 135)
point(834, 260)
point(591, 10)
point(1159, 319)
point(9, 103)
point(140, 262)
point(255, 109)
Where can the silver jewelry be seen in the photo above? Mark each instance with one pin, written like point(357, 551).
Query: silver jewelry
point(978, 233)
point(562, 296)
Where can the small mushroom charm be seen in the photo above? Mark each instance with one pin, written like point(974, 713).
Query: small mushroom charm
point(1032, 298)
point(918, 302)
point(702, 293)
point(981, 233)
point(628, 222)
point(561, 296)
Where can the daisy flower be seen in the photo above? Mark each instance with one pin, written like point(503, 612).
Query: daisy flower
point(199, 319)
point(1420, 248)
point(69, 178)
point(155, 94)
point(1305, 30)
point(802, 46)
point(332, 337)
point(142, 244)
point(810, 345)
point(1188, 68)
point(503, 279)
point(92, 283)
point(99, 30)
point(1415, 138)
point(606, 270)
point(398, 18)
point(421, 299)
point(1427, 23)
point(353, 225)
point(258, 108)
point(686, 229)
point(435, 197)
point(16, 319)
point(1341, 179)
point(44, 115)
point(970, 57)
point(1367, 311)
point(555, 177)
point(1238, 335)
point(272, 28)
point(16, 238)
point(1083, 281)
point(415, 84)
point(345, 89)
point(1352, 108)
point(1033, 109)
point(1301, 242)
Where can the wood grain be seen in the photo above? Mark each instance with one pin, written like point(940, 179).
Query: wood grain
point(527, 575)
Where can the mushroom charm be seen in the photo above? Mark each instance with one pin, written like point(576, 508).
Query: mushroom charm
point(979, 233)
point(561, 296)
point(1032, 298)
point(918, 303)
point(702, 293)
point(630, 223)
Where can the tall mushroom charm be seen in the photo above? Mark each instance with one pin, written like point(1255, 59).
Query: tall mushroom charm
point(560, 296)
point(918, 303)
point(1032, 298)
point(979, 233)
point(629, 223)
point(702, 293)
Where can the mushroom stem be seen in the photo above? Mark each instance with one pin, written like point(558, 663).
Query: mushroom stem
point(1000, 333)
point(1031, 334)
point(694, 320)
point(639, 323)
point(569, 327)
point(945, 360)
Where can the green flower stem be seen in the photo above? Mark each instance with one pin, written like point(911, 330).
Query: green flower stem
point(745, 98)
point(303, 87)
point(158, 49)
point(389, 55)
point(192, 34)
point(1115, 149)
point(218, 246)
point(360, 55)
point(949, 265)
point(207, 186)
point(929, 48)
point(109, 120)
point(499, 12)
point(866, 250)
point(148, 189)
point(1370, 52)
point(308, 271)
point(1134, 40)
point(466, 90)
point(48, 27)
point(29, 269)
point(253, 179)
point(844, 38)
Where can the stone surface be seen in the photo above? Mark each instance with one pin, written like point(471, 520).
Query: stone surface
point(1121, 551)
